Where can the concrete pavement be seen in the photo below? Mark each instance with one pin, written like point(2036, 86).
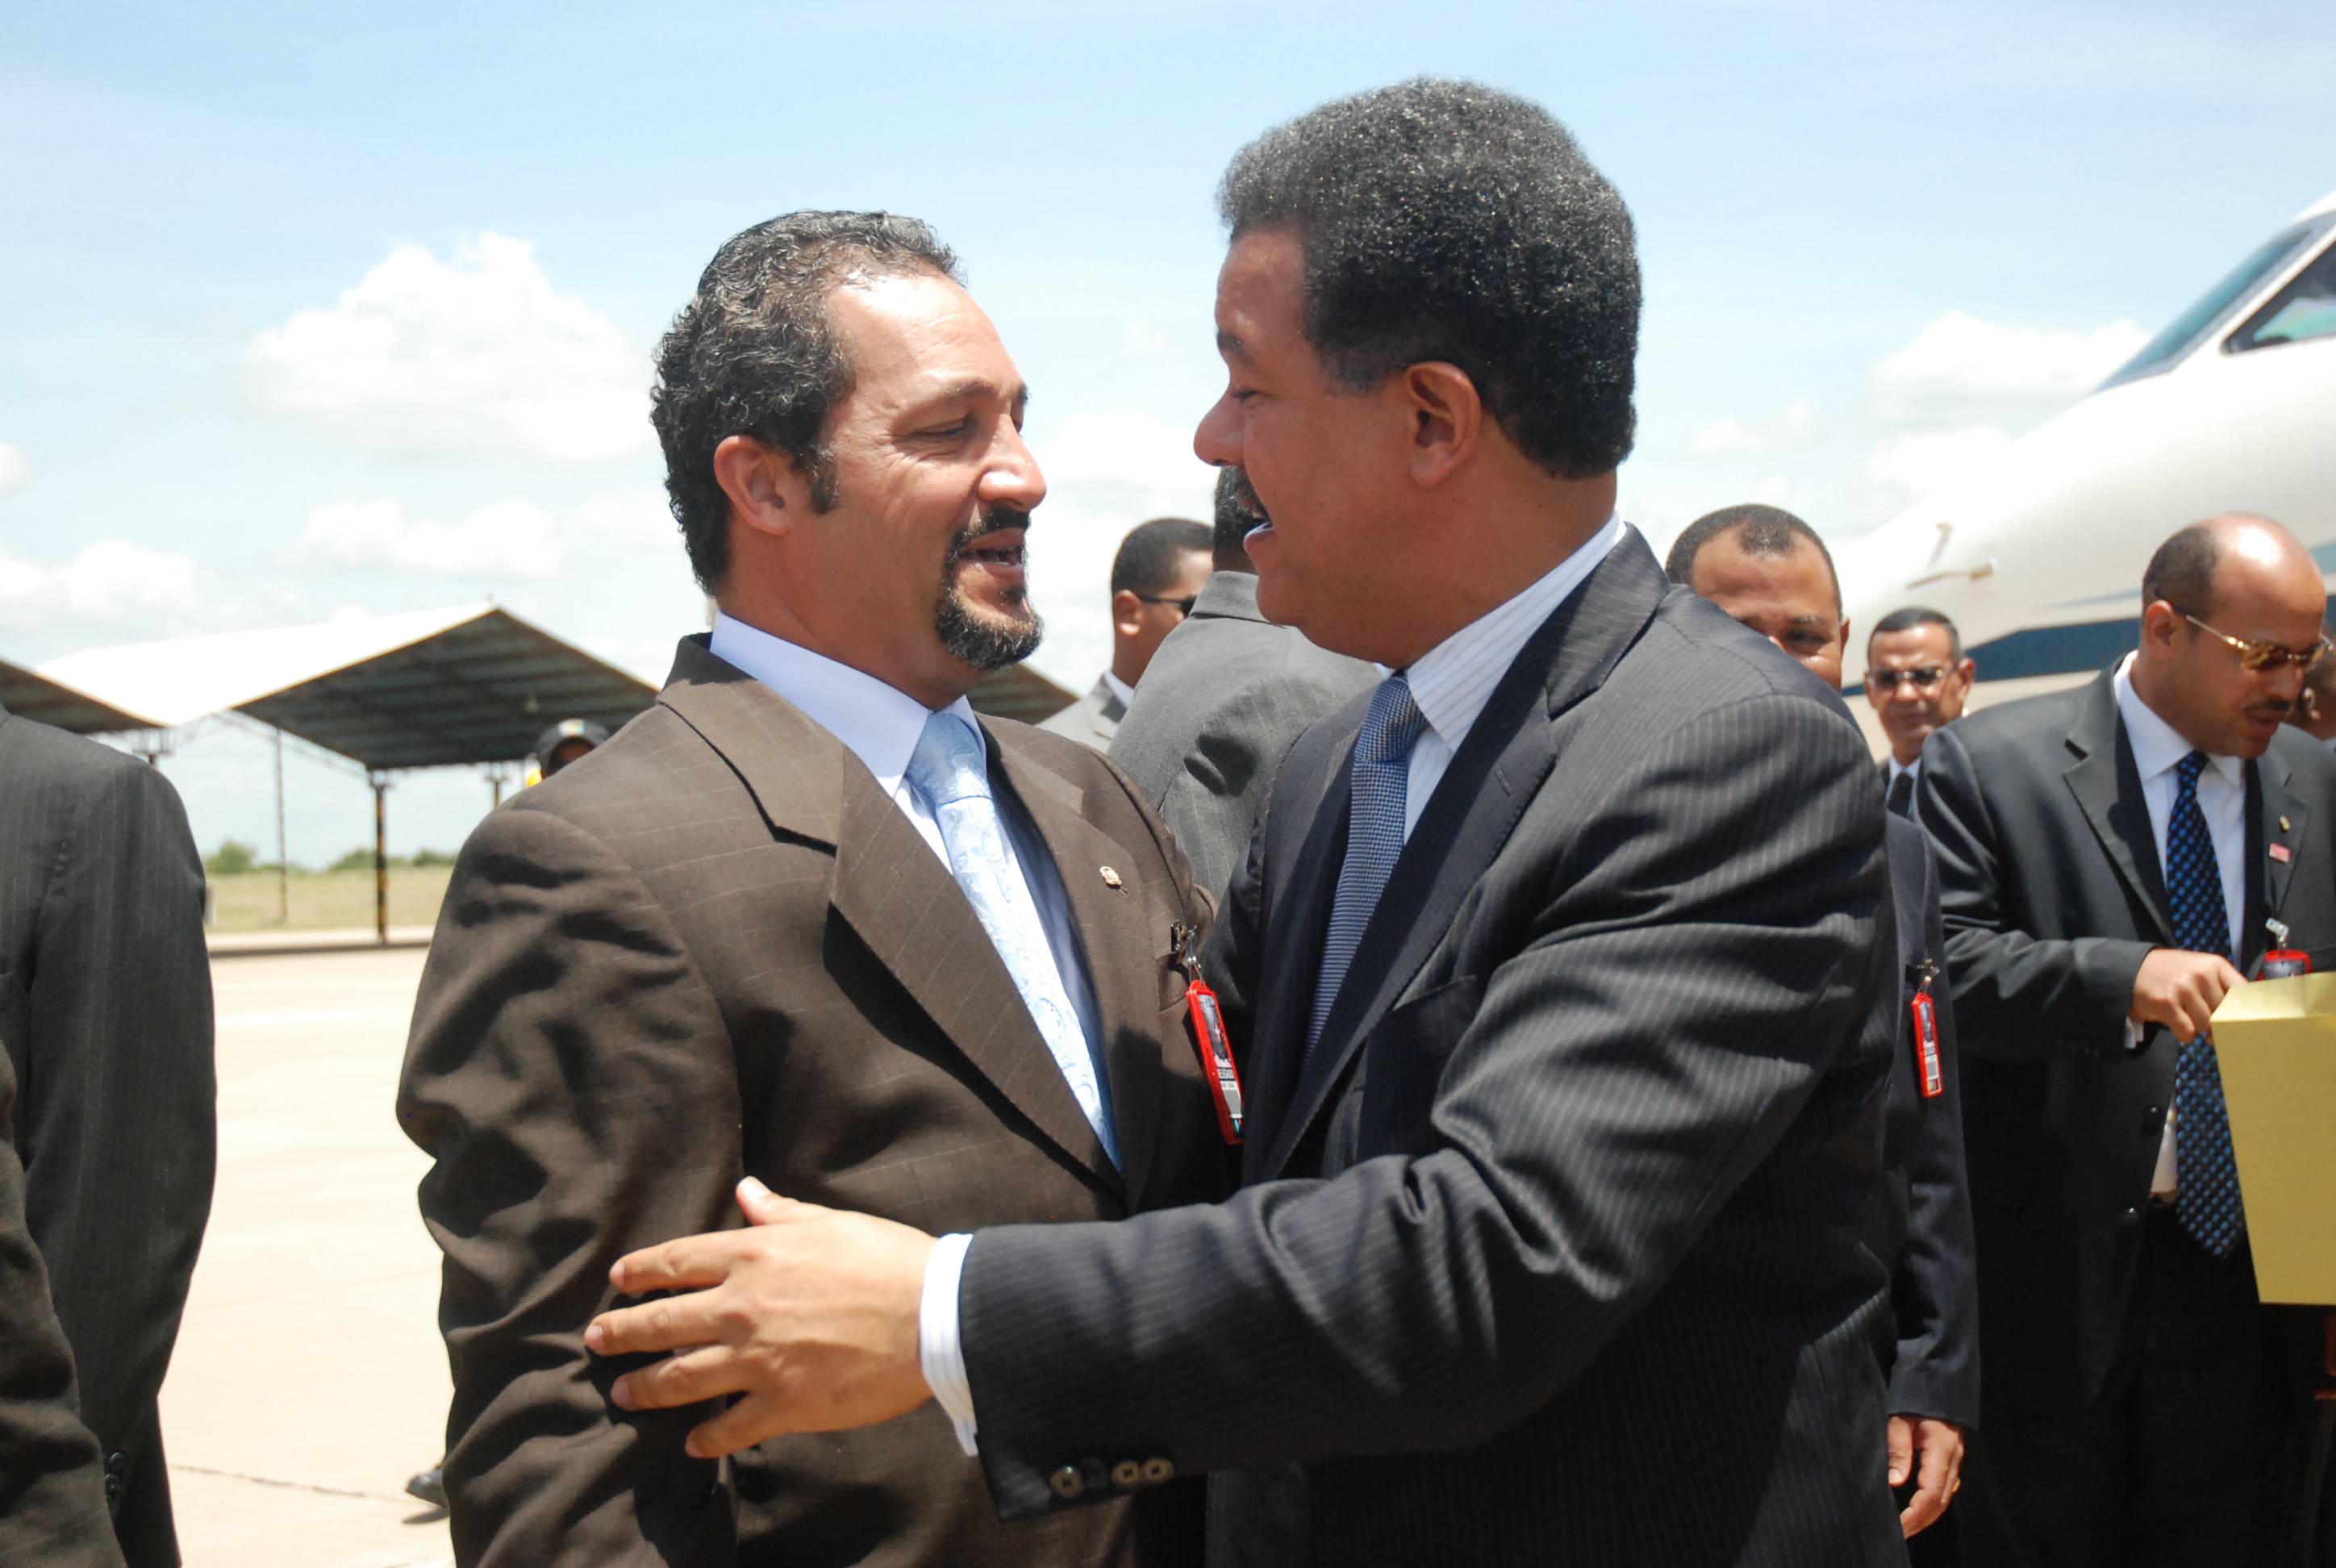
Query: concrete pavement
point(309, 1381)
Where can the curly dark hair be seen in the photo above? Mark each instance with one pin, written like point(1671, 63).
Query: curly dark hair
point(1445, 221)
point(751, 355)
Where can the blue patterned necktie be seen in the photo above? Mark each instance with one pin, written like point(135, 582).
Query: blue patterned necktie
point(950, 769)
point(2209, 1206)
point(1382, 774)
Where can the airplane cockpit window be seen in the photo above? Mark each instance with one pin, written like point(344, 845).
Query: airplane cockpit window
point(2305, 308)
point(2220, 301)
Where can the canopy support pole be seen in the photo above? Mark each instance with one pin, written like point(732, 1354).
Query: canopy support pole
point(380, 781)
point(283, 865)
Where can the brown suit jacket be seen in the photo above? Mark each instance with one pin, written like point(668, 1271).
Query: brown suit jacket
point(715, 947)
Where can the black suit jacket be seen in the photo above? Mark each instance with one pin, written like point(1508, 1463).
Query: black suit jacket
point(105, 1005)
point(1922, 1220)
point(1550, 1251)
point(2052, 894)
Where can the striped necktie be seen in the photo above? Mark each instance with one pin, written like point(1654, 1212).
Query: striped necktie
point(1901, 793)
point(2208, 1172)
point(1382, 775)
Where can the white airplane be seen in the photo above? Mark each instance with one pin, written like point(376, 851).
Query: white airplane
point(2037, 556)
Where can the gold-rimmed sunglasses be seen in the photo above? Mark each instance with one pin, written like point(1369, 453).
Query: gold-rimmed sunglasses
point(2262, 655)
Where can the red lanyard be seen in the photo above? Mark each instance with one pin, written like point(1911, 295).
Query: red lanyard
point(1209, 1042)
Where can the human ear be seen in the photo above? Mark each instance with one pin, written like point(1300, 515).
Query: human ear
point(765, 488)
point(1446, 419)
point(1126, 612)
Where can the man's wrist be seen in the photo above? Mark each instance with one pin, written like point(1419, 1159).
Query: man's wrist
point(939, 1352)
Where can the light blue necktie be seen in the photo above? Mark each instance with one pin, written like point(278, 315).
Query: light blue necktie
point(1382, 778)
point(2208, 1205)
point(950, 769)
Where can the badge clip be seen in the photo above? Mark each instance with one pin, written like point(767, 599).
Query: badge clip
point(2281, 962)
point(1209, 1041)
point(1925, 1009)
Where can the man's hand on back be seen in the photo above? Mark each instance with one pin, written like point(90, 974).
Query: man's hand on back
point(811, 1313)
point(2181, 989)
point(1930, 1453)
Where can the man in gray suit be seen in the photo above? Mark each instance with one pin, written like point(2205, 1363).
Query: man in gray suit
point(1154, 579)
point(1553, 965)
point(105, 1009)
point(1224, 696)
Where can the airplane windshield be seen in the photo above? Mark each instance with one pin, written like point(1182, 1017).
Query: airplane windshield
point(2193, 323)
point(2305, 308)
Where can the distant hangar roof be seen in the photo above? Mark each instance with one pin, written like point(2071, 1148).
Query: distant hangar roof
point(430, 688)
point(35, 697)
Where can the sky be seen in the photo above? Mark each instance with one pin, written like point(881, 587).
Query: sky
point(313, 312)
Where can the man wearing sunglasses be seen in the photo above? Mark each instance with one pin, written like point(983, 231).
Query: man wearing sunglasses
point(1917, 679)
point(1155, 579)
point(2112, 862)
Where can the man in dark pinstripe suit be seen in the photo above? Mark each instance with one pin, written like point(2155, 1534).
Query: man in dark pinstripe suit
point(105, 1008)
point(1553, 962)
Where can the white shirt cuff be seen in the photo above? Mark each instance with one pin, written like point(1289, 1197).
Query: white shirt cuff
point(939, 1351)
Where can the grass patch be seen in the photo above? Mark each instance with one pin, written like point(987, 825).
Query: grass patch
point(326, 900)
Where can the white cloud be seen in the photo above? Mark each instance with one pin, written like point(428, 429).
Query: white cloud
point(13, 467)
point(642, 519)
point(508, 539)
point(1963, 371)
point(106, 581)
point(1920, 464)
point(1732, 438)
point(475, 353)
point(1105, 472)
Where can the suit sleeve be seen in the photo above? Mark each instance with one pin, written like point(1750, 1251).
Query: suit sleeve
point(1705, 951)
point(570, 1073)
point(118, 1129)
point(1936, 1294)
point(2018, 998)
point(54, 1515)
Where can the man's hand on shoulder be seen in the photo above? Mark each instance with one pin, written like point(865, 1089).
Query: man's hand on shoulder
point(2182, 990)
point(811, 1313)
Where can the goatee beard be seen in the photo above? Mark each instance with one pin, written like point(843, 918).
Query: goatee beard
point(965, 634)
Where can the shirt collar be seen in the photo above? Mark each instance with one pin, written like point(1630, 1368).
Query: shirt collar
point(2157, 746)
point(877, 723)
point(1118, 688)
point(1452, 681)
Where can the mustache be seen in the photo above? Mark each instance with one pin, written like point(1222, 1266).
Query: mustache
point(1243, 494)
point(989, 521)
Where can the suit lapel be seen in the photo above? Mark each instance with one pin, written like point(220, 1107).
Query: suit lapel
point(1496, 773)
point(1112, 929)
point(2107, 787)
point(889, 887)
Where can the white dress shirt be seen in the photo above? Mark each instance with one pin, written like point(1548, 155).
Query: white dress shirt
point(2157, 748)
point(1119, 688)
point(881, 724)
point(1897, 767)
point(1451, 682)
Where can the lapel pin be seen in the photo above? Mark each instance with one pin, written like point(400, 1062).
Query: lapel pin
point(2282, 853)
point(1111, 877)
point(2283, 825)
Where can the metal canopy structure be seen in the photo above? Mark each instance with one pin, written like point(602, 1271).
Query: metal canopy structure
point(35, 697)
point(434, 688)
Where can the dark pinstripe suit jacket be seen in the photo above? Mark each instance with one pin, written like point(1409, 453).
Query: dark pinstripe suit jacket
point(713, 947)
point(105, 1007)
point(1551, 1250)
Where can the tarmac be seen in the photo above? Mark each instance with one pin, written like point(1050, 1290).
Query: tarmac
point(309, 1381)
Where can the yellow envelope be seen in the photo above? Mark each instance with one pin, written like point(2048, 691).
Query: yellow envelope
point(2276, 1042)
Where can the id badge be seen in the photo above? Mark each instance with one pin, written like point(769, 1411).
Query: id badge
point(1208, 1021)
point(1928, 1067)
point(2283, 963)
point(1926, 1046)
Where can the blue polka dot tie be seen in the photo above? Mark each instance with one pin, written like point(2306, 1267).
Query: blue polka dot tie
point(2210, 1209)
point(1382, 778)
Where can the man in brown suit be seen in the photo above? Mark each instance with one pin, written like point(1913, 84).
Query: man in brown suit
point(805, 925)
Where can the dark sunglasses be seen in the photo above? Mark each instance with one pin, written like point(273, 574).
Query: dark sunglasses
point(1184, 606)
point(1922, 679)
point(2262, 655)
